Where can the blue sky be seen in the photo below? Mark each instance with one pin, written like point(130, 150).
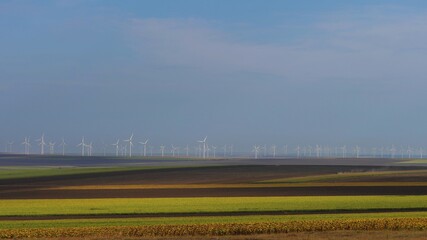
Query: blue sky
point(241, 72)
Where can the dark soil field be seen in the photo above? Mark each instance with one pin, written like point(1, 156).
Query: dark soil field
point(47, 187)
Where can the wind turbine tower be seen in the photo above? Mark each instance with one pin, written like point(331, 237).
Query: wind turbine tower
point(145, 147)
point(162, 149)
point(256, 150)
point(130, 144)
point(42, 144)
point(117, 147)
point(83, 145)
point(273, 148)
point(51, 148)
point(204, 146)
point(63, 146)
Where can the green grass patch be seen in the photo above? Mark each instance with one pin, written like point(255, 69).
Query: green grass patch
point(109, 222)
point(342, 176)
point(206, 205)
point(417, 161)
point(24, 172)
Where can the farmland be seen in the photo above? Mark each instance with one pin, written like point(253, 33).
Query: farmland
point(209, 197)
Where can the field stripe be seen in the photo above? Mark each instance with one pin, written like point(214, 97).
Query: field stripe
point(257, 185)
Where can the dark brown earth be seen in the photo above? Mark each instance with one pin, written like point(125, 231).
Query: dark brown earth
point(216, 192)
point(35, 188)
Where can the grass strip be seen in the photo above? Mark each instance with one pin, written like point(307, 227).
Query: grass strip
point(19, 173)
point(40, 207)
point(343, 176)
point(240, 185)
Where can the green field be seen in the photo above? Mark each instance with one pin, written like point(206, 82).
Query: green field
point(34, 207)
point(22, 172)
point(416, 161)
point(343, 176)
point(198, 220)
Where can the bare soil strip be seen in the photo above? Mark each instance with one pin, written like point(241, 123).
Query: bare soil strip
point(206, 214)
point(216, 192)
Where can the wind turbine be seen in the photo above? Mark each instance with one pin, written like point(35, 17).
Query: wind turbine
point(344, 151)
point(83, 145)
point(27, 145)
point(204, 146)
point(393, 151)
point(225, 150)
point(62, 144)
point(51, 148)
point(151, 150)
point(130, 144)
point(89, 149)
point(186, 150)
point(298, 149)
point(357, 151)
point(409, 152)
point(173, 150)
point(273, 148)
point(42, 143)
point(145, 147)
point(256, 150)
point(162, 149)
point(214, 151)
point(117, 147)
point(318, 149)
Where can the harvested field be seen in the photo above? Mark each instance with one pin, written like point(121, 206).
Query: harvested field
point(220, 181)
point(215, 192)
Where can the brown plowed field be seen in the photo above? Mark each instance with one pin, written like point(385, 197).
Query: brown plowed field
point(216, 192)
point(38, 188)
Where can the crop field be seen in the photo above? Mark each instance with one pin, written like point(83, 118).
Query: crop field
point(198, 198)
point(230, 205)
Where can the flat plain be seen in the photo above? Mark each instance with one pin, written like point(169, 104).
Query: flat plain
point(57, 197)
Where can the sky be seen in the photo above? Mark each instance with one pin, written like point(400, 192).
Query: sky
point(241, 72)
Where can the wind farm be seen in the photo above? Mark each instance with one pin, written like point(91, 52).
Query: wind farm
point(226, 120)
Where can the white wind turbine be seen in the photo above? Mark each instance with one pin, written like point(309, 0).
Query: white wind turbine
point(83, 145)
point(225, 150)
point(151, 150)
point(393, 151)
point(42, 143)
point(63, 144)
point(89, 149)
point(298, 149)
point(51, 148)
point(357, 151)
point(273, 148)
point(344, 151)
point(173, 150)
point(187, 149)
point(318, 149)
point(27, 145)
point(117, 147)
point(214, 151)
point(145, 147)
point(130, 144)
point(204, 146)
point(256, 150)
point(162, 149)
